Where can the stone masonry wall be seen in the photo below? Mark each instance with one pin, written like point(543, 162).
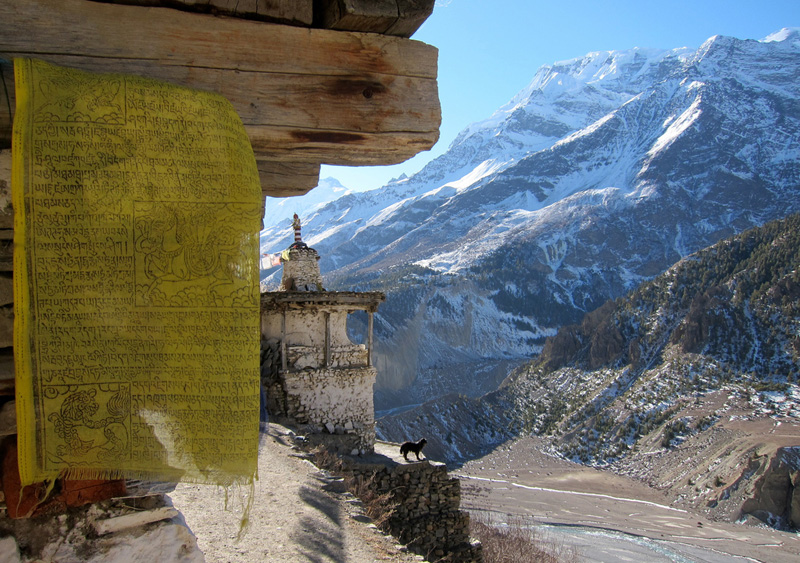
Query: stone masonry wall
point(428, 518)
point(334, 406)
point(338, 401)
point(301, 271)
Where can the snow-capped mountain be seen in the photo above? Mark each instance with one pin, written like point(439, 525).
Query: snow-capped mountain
point(600, 174)
point(279, 211)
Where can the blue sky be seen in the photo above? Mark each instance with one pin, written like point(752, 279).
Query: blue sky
point(490, 50)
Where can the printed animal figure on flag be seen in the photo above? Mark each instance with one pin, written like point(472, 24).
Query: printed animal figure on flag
point(186, 253)
point(77, 419)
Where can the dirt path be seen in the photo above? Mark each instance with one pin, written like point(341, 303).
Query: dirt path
point(293, 519)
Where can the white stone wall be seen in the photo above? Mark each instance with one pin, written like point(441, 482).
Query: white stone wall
point(334, 401)
point(304, 357)
point(301, 271)
point(306, 327)
point(314, 376)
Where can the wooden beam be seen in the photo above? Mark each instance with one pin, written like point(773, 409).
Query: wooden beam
point(391, 17)
point(354, 149)
point(304, 95)
point(353, 135)
point(284, 179)
point(292, 12)
point(375, 16)
point(400, 18)
point(411, 15)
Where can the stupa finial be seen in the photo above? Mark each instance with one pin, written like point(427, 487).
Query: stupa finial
point(298, 239)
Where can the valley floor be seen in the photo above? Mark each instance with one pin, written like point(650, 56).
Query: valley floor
point(608, 517)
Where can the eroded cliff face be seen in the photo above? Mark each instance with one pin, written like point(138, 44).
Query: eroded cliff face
point(742, 469)
point(775, 489)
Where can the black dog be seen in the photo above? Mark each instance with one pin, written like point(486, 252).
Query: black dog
point(415, 447)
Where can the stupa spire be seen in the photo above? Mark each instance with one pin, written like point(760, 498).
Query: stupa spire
point(298, 238)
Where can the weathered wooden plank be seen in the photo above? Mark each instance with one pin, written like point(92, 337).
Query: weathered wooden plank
point(314, 145)
point(305, 95)
point(411, 15)
point(400, 18)
point(6, 211)
point(374, 16)
point(377, 103)
point(172, 37)
point(292, 12)
point(283, 179)
point(391, 17)
point(365, 121)
point(6, 102)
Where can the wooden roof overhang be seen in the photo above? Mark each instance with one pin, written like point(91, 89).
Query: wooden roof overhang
point(306, 95)
point(322, 300)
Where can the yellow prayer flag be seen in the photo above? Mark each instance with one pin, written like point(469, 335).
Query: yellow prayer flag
point(137, 211)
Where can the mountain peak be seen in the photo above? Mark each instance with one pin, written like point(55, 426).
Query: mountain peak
point(785, 34)
point(330, 182)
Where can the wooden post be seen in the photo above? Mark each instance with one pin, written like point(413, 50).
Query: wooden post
point(327, 339)
point(369, 338)
point(284, 361)
point(6, 102)
point(293, 12)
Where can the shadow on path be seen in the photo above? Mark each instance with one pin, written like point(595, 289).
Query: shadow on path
point(320, 541)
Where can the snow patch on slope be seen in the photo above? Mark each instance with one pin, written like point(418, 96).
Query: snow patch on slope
point(677, 125)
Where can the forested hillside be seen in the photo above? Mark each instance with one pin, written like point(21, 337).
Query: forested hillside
point(727, 317)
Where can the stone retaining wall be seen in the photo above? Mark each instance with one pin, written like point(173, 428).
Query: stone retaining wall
point(428, 518)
